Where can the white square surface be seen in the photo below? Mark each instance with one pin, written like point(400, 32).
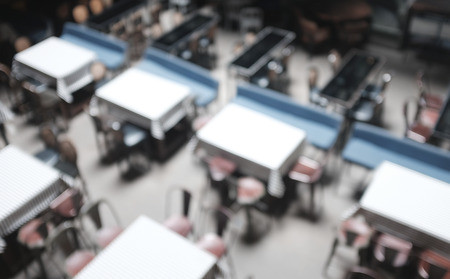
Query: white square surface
point(146, 249)
point(252, 135)
point(56, 57)
point(143, 93)
point(410, 198)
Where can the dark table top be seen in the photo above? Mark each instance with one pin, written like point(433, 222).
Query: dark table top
point(257, 55)
point(442, 128)
point(182, 33)
point(114, 13)
point(343, 88)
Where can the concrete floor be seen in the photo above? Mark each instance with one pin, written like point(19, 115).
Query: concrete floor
point(294, 247)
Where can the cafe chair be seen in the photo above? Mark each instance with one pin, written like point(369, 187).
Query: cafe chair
point(32, 235)
point(66, 206)
point(69, 249)
point(68, 165)
point(353, 232)
point(310, 172)
point(129, 143)
point(314, 90)
point(361, 272)
point(178, 222)
point(9, 85)
point(219, 169)
point(50, 154)
point(433, 265)
point(391, 253)
point(102, 124)
point(427, 99)
point(415, 129)
point(100, 219)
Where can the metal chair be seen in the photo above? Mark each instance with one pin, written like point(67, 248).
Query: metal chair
point(176, 221)
point(415, 129)
point(360, 272)
point(50, 154)
point(391, 253)
point(66, 206)
point(433, 265)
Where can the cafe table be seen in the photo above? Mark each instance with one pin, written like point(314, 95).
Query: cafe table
point(260, 145)
point(146, 249)
point(56, 63)
point(147, 100)
point(409, 205)
point(27, 187)
point(358, 68)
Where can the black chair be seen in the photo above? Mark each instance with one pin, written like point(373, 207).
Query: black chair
point(50, 154)
point(176, 221)
point(433, 265)
point(40, 102)
point(360, 272)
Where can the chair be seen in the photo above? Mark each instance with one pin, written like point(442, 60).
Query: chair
point(102, 124)
point(415, 128)
point(68, 162)
point(124, 141)
point(9, 85)
point(96, 216)
point(360, 272)
point(433, 265)
point(310, 172)
point(314, 91)
point(66, 206)
point(355, 233)
point(177, 222)
point(391, 252)
point(427, 99)
point(69, 249)
point(219, 169)
point(50, 153)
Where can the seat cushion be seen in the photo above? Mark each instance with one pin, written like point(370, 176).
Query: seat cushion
point(106, 235)
point(213, 244)
point(179, 224)
point(77, 261)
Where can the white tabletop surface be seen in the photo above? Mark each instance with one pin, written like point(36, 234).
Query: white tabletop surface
point(143, 93)
point(410, 198)
point(56, 57)
point(252, 135)
point(25, 184)
point(146, 249)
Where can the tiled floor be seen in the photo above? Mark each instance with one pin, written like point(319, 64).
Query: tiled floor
point(293, 247)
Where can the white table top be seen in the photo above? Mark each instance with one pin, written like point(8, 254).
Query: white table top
point(410, 198)
point(55, 57)
point(252, 135)
point(143, 93)
point(146, 249)
point(25, 184)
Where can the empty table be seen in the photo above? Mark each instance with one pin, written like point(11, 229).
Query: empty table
point(146, 249)
point(57, 63)
point(148, 101)
point(410, 205)
point(27, 188)
point(260, 145)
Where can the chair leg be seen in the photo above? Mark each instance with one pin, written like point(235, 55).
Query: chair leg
point(333, 250)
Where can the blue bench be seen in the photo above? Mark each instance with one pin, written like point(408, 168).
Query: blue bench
point(368, 146)
point(110, 51)
point(203, 86)
point(322, 128)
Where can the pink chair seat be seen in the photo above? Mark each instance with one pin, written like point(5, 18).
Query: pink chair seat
point(249, 190)
point(212, 243)
point(64, 206)
point(106, 235)
point(220, 167)
point(29, 235)
point(419, 132)
point(433, 101)
point(77, 261)
point(306, 170)
point(360, 228)
point(429, 117)
point(179, 224)
point(402, 247)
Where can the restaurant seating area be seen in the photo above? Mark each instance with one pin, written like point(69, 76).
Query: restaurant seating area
point(289, 156)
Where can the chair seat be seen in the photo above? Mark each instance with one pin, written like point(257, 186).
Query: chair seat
point(64, 206)
point(249, 190)
point(402, 248)
point(77, 261)
point(419, 132)
point(433, 101)
point(429, 117)
point(306, 170)
point(362, 231)
point(29, 234)
point(212, 243)
point(106, 235)
point(179, 224)
point(220, 167)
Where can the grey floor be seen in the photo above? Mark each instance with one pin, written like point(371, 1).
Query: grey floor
point(294, 247)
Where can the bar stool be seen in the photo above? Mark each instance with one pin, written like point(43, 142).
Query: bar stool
point(249, 191)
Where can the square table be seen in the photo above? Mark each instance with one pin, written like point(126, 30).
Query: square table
point(147, 100)
point(410, 205)
point(56, 62)
point(27, 187)
point(146, 249)
point(260, 145)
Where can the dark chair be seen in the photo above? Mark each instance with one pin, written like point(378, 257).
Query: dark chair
point(40, 101)
point(314, 91)
point(360, 272)
point(391, 253)
point(127, 142)
point(50, 154)
point(102, 124)
point(66, 206)
point(426, 98)
point(176, 221)
point(355, 233)
point(69, 249)
point(415, 128)
point(433, 266)
point(101, 220)
point(219, 170)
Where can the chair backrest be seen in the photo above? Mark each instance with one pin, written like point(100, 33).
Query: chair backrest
point(49, 137)
point(391, 250)
point(433, 265)
point(355, 232)
point(95, 213)
point(68, 203)
point(66, 238)
point(186, 197)
point(223, 216)
point(67, 151)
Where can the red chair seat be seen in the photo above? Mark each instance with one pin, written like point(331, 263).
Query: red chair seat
point(212, 243)
point(433, 101)
point(106, 235)
point(429, 117)
point(419, 132)
point(358, 227)
point(29, 234)
point(306, 170)
point(221, 168)
point(77, 261)
point(179, 224)
point(402, 247)
point(249, 190)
